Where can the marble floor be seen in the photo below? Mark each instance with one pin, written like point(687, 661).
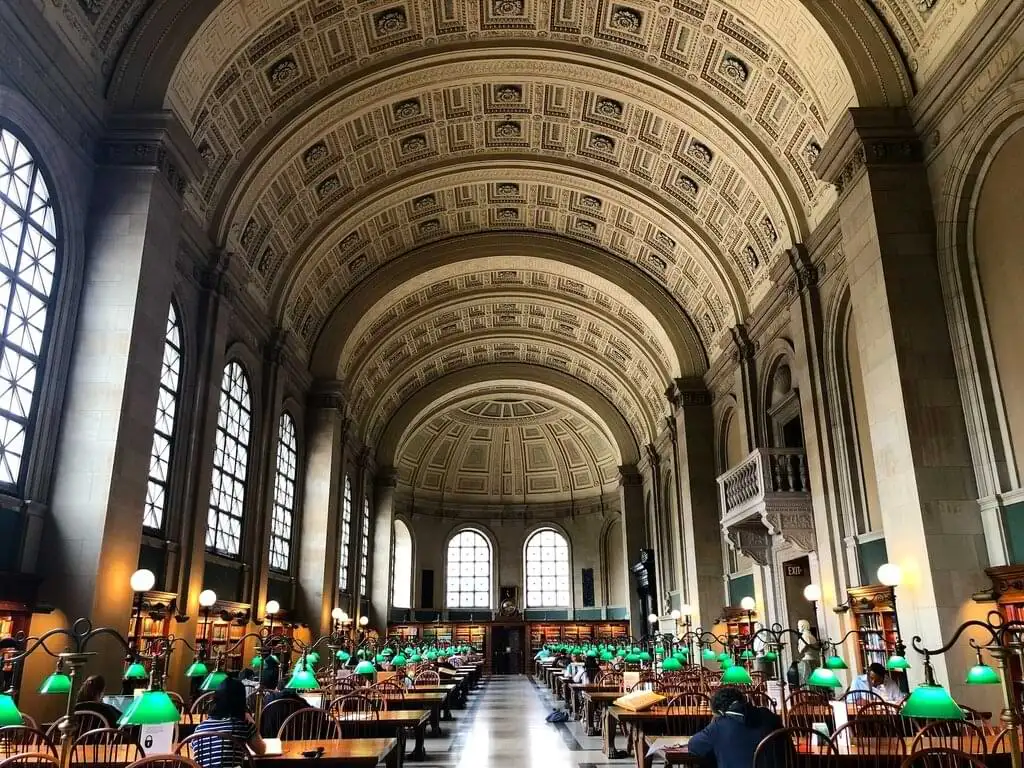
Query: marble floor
point(503, 725)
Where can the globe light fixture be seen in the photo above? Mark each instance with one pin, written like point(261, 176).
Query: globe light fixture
point(812, 593)
point(142, 580)
point(889, 574)
point(272, 608)
point(686, 609)
point(364, 621)
point(675, 614)
point(748, 604)
point(337, 614)
point(207, 598)
point(652, 618)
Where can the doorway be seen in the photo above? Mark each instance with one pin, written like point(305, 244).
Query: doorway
point(507, 649)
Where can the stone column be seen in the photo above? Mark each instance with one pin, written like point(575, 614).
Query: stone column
point(631, 502)
point(691, 426)
point(915, 417)
point(95, 528)
point(321, 506)
point(657, 521)
point(381, 553)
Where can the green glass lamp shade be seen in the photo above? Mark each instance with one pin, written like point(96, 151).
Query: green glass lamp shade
point(982, 674)
point(736, 675)
point(932, 702)
point(302, 679)
point(727, 663)
point(636, 649)
point(256, 663)
point(9, 714)
point(387, 652)
point(607, 655)
point(770, 656)
point(431, 655)
point(897, 664)
point(723, 656)
point(632, 658)
point(151, 708)
point(365, 668)
point(362, 653)
point(379, 658)
point(645, 657)
point(213, 680)
point(822, 677)
point(681, 655)
point(198, 669)
point(399, 661)
point(135, 671)
point(591, 653)
point(58, 682)
point(313, 658)
point(342, 656)
point(408, 650)
point(544, 653)
point(835, 662)
point(671, 664)
point(747, 654)
point(415, 658)
point(622, 653)
point(708, 655)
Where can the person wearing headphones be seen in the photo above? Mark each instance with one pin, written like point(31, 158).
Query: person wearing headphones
point(737, 728)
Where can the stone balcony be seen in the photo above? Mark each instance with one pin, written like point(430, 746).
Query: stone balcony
point(767, 494)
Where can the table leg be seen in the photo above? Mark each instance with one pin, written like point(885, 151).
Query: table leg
point(435, 721)
point(397, 757)
point(419, 752)
point(610, 727)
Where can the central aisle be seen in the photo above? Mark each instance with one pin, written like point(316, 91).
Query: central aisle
point(507, 727)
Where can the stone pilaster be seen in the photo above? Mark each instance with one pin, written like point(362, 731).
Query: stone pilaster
point(631, 503)
point(915, 418)
point(383, 512)
point(326, 430)
point(99, 491)
point(691, 425)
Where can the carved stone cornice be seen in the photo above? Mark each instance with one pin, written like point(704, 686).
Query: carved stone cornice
point(327, 395)
point(630, 476)
point(152, 140)
point(651, 456)
point(754, 541)
point(746, 348)
point(805, 272)
point(213, 276)
point(794, 524)
point(684, 393)
point(386, 477)
point(868, 137)
point(277, 344)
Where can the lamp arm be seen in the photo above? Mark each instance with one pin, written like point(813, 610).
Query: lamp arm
point(34, 643)
point(994, 633)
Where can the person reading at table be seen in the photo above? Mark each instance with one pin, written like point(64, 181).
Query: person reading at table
point(230, 718)
point(735, 731)
point(589, 672)
point(876, 680)
point(90, 699)
point(274, 684)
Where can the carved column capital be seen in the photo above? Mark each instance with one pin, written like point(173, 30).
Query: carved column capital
point(629, 475)
point(154, 140)
point(386, 477)
point(327, 395)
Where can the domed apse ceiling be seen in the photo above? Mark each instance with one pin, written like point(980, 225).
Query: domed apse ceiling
point(507, 449)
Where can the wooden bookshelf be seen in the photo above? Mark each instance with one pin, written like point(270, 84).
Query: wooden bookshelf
point(736, 624)
point(155, 613)
point(873, 608)
point(229, 621)
point(1008, 593)
point(575, 633)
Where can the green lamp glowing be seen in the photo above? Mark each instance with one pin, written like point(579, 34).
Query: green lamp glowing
point(198, 669)
point(313, 658)
point(681, 655)
point(823, 677)
point(415, 658)
point(151, 708)
point(607, 655)
point(671, 664)
point(932, 702)
point(9, 714)
point(981, 673)
point(58, 682)
point(342, 656)
point(135, 671)
point(897, 664)
point(727, 663)
point(365, 668)
point(399, 661)
point(302, 679)
point(835, 661)
point(213, 680)
point(724, 656)
point(379, 658)
point(736, 675)
point(707, 654)
point(645, 657)
point(747, 654)
point(431, 655)
point(256, 663)
point(770, 656)
point(591, 653)
point(632, 658)
point(387, 652)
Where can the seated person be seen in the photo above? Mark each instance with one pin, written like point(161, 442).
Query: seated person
point(589, 672)
point(228, 717)
point(273, 683)
point(876, 679)
point(737, 728)
point(90, 699)
point(573, 667)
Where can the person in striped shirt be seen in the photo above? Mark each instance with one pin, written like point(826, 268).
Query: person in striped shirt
point(229, 718)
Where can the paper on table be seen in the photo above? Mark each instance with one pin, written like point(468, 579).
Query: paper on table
point(273, 747)
point(659, 744)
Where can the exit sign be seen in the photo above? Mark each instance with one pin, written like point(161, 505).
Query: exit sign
point(794, 570)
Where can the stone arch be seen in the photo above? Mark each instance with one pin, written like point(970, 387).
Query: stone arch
point(402, 520)
point(477, 526)
point(729, 446)
point(778, 391)
point(613, 565)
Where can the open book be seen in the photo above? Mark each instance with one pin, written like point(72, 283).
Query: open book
point(656, 747)
point(638, 701)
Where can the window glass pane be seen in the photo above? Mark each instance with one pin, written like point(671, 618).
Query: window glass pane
point(547, 570)
point(231, 463)
point(469, 571)
point(163, 428)
point(365, 549)
point(284, 495)
point(346, 535)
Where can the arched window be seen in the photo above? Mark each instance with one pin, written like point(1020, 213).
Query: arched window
point(284, 495)
point(401, 567)
point(346, 535)
point(365, 548)
point(28, 263)
point(469, 571)
point(230, 463)
point(547, 570)
point(163, 427)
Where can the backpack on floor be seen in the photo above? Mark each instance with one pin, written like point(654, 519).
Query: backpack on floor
point(558, 716)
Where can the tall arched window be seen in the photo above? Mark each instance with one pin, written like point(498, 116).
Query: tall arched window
point(365, 547)
point(469, 571)
point(401, 567)
point(346, 535)
point(284, 495)
point(163, 427)
point(28, 263)
point(547, 570)
point(230, 463)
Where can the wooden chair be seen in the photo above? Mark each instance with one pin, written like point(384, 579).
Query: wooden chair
point(165, 761)
point(806, 696)
point(389, 688)
point(82, 722)
point(1002, 742)
point(427, 677)
point(761, 699)
point(19, 738)
point(972, 715)
point(681, 720)
point(854, 700)
point(275, 713)
point(936, 757)
point(106, 745)
point(209, 748)
point(877, 742)
point(805, 714)
point(308, 724)
point(203, 704)
point(360, 714)
point(951, 734)
point(881, 710)
point(179, 702)
point(610, 680)
point(786, 748)
point(34, 759)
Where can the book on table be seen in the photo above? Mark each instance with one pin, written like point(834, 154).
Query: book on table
point(638, 701)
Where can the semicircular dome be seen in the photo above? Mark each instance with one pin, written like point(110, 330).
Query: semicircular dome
point(506, 449)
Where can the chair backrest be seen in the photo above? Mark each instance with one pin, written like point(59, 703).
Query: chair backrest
point(106, 745)
point(974, 716)
point(937, 757)
point(686, 714)
point(209, 748)
point(610, 679)
point(307, 724)
point(878, 742)
point(389, 688)
point(20, 738)
point(785, 747)
point(804, 696)
point(203, 704)
point(1002, 742)
point(357, 715)
point(761, 699)
point(34, 759)
point(179, 702)
point(951, 734)
point(274, 714)
point(427, 677)
point(356, 702)
point(165, 761)
point(805, 714)
point(856, 699)
point(82, 721)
